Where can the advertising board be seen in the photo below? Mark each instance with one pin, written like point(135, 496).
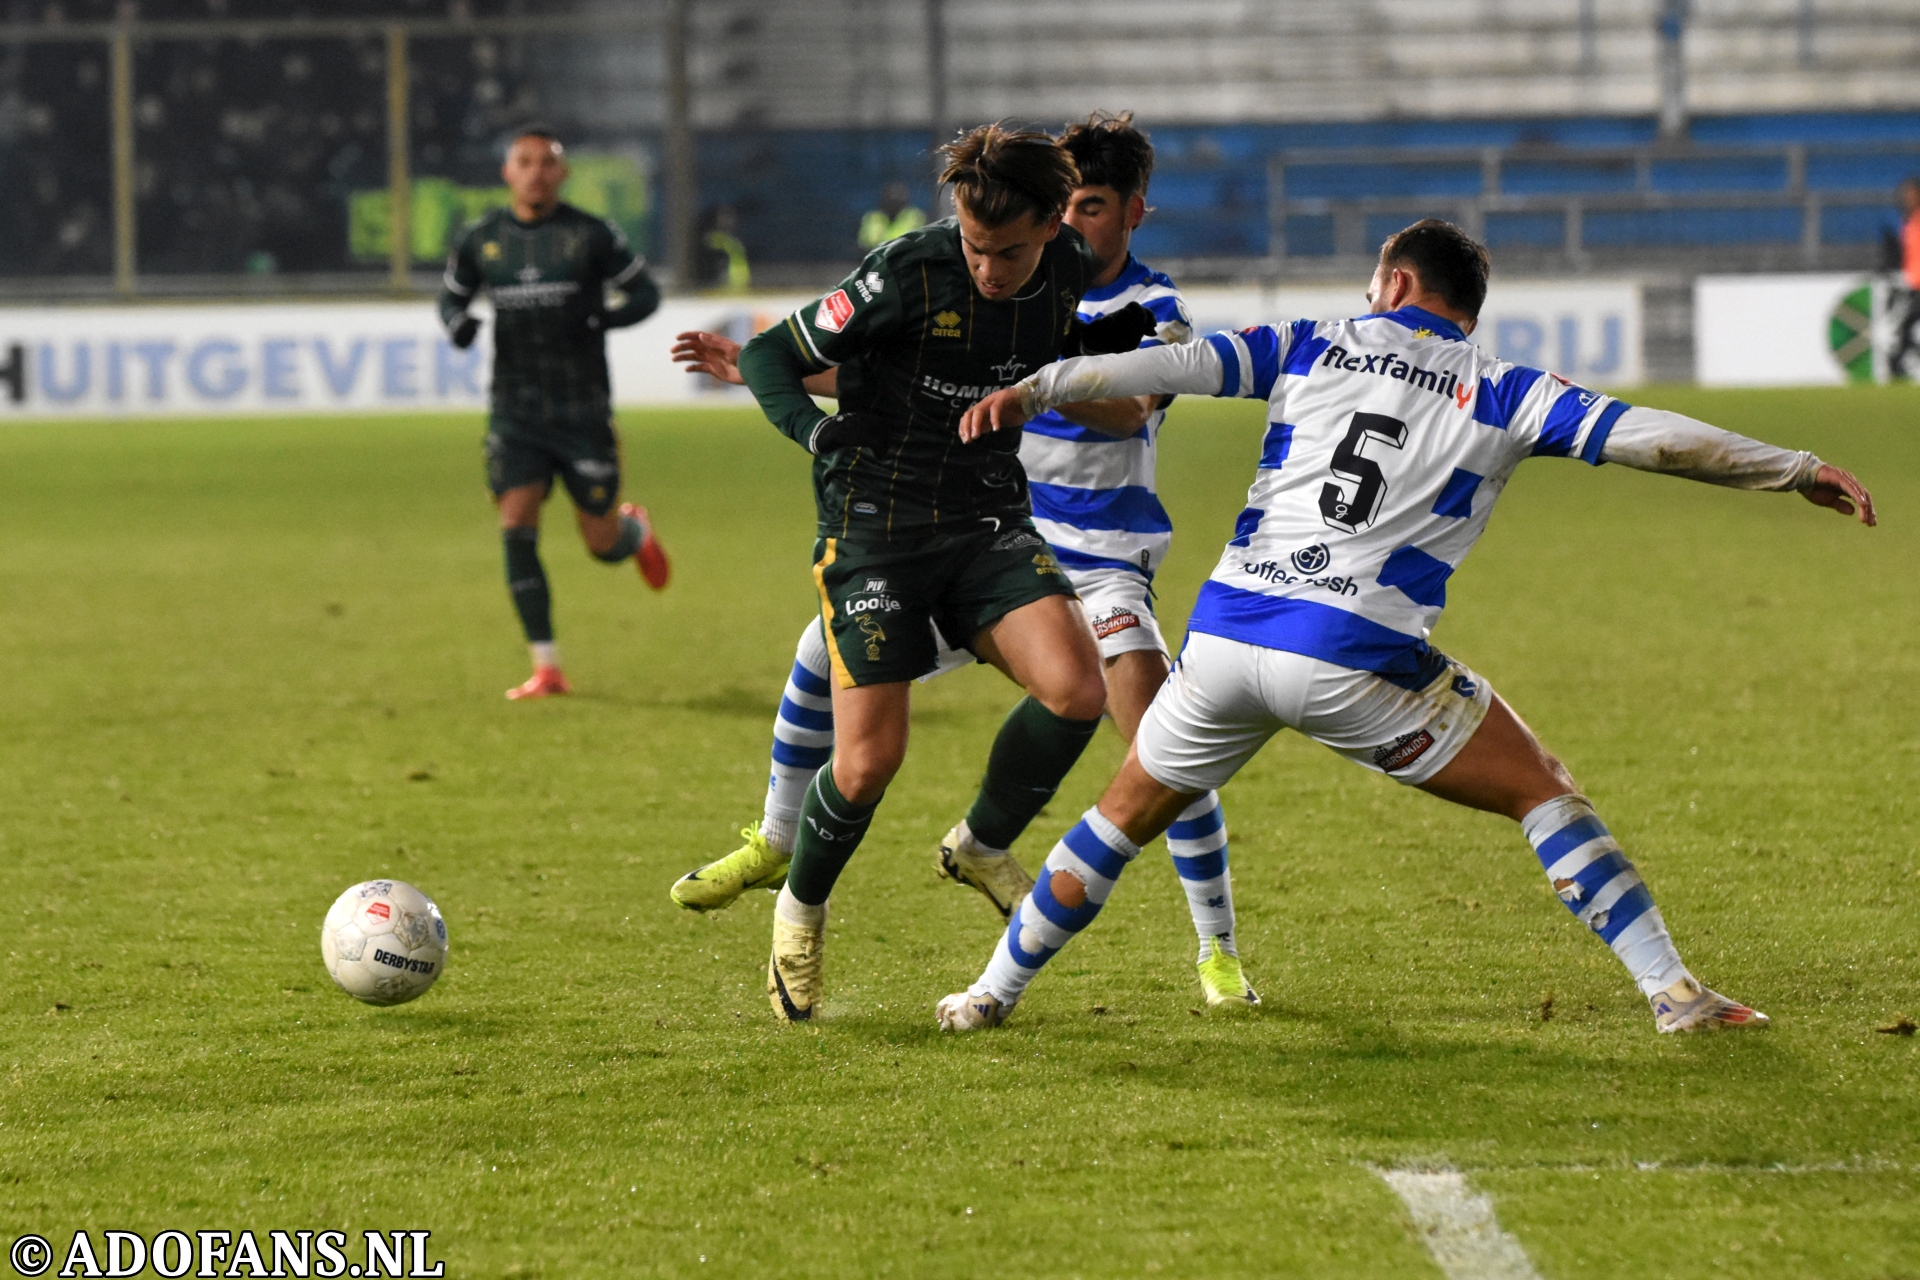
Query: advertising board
point(318, 357)
point(1812, 329)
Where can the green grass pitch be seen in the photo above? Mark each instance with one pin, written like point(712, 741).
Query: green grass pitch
point(250, 663)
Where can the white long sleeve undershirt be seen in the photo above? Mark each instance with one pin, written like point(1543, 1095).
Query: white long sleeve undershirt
point(1675, 445)
point(1644, 439)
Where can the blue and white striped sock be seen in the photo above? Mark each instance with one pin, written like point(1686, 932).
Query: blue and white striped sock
point(1198, 842)
point(802, 737)
point(1602, 889)
point(1072, 886)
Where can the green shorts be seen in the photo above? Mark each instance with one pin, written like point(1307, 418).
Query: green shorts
point(877, 599)
point(585, 456)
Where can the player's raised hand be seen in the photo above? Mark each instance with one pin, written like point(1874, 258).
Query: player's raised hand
point(708, 353)
point(998, 411)
point(1833, 487)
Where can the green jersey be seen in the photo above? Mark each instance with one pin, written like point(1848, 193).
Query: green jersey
point(548, 281)
point(916, 345)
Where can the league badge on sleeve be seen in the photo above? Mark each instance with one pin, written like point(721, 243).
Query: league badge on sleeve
point(833, 312)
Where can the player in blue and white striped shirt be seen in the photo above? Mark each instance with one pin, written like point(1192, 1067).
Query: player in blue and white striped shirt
point(1390, 437)
point(1090, 470)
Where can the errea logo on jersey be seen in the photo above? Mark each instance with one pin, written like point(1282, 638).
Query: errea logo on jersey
point(833, 312)
point(946, 325)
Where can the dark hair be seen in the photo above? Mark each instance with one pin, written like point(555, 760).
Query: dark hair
point(1446, 259)
point(534, 129)
point(1000, 174)
point(1110, 152)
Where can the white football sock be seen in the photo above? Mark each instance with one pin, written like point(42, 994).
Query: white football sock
point(794, 911)
point(802, 737)
point(1198, 842)
point(1602, 889)
point(1072, 886)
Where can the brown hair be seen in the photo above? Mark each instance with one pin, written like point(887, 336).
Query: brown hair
point(1000, 174)
point(1110, 152)
point(1447, 260)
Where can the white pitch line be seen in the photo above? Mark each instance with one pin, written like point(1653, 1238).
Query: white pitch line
point(1458, 1226)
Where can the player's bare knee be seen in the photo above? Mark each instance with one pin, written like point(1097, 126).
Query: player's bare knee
point(1073, 696)
point(862, 775)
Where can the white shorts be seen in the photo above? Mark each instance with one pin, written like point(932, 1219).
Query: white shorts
point(1225, 699)
point(1119, 607)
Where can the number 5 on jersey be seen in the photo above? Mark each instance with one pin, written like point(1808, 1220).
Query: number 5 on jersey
point(1352, 513)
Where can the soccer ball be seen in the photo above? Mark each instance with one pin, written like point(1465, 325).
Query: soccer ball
point(384, 942)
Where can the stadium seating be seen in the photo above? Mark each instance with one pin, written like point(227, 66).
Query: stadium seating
point(1292, 135)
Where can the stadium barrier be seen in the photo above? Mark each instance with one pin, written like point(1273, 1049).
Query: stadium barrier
point(1792, 330)
point(82, 362)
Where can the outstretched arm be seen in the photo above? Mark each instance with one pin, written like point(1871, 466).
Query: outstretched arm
point(1120, 416)
point(1190, 368)
point(1676, 445)
point(718, 357)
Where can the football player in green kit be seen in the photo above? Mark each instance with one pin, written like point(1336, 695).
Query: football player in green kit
point(916, 527)
point(549, 269)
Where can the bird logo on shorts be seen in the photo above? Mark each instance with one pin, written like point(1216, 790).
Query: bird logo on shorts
point(1312, 559)
point(874, 634)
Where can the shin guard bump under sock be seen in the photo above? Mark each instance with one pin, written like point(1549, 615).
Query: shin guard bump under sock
point(1032, 753)
point(831, 828)
point(1602, 889)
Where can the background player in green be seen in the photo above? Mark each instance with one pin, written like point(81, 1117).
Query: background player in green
point(550, 270)
point(915, 527)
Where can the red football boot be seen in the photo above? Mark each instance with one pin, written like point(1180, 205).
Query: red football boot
point(546, 682)
point(651, 557)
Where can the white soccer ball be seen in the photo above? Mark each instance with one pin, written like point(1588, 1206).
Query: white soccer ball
point(384, 942)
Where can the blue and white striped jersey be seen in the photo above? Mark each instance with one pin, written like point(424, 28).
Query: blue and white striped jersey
point(1389, 437)
point(1094, 498)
